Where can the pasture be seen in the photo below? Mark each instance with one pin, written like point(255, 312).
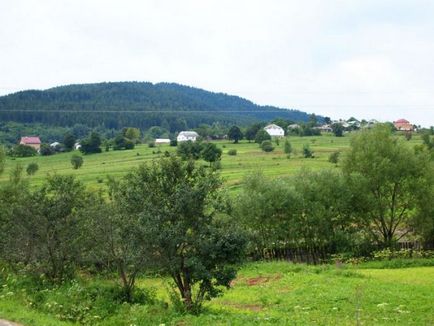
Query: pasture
point(249, 158)
point(267, 293)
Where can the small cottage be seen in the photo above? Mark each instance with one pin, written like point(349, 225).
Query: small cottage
point(274, 130)
point(34, 142)
point(187, 135)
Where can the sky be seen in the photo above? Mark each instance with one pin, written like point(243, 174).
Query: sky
point(367, 59)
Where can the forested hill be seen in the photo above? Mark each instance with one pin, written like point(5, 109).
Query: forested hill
point(136, 104)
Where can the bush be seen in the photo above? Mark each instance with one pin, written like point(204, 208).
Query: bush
point(151, 144)
point(32, 168)
point(22, 151)
point(307, 152)
point(76, 161)
point(46, 150)
point(232, 152)
point(334, 157)
point(267, 146)
point(173, 142)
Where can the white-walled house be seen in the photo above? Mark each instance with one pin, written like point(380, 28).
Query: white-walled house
point(274, 130)
point(159, 141)
point(187, 135)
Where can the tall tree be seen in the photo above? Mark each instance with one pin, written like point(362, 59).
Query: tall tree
point(395, 180)
point(235, 134)
point(69, 141)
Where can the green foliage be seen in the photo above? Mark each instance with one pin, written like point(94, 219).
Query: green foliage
point(121, 142)
point(173, 142)
point(392, 176)
point(189, 150)
point(211, 153)
point(307, 152)
point(46, 150)
point(267, 146)
point(287, 148)
point(133, 134)
point(334, 157)
point(2, 159)
point(22, 151)
point(135, 104)
point(91, 144)
point(338, 129)
point(262, 136)
point(69, 141)
point(177, 216)
point(76, 161)
point(232, 152)
point(235, 134)
point(252, 130)
point(32, 168)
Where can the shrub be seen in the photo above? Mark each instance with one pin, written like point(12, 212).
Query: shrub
point(151, 144)
point(307, 152)
point(46, 150)
point(334, 157)
point(232, 152)
point(32, 168)
point(76, 161)
point(267, 146)
point(173, 142)
point(22, 151)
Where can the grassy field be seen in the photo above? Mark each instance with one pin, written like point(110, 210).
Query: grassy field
point(249, 158)
point(277, 293)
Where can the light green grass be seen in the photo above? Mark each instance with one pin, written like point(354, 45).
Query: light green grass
point(249, 158)
point(282, 293)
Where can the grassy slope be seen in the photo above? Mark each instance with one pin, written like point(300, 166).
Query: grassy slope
point(285, 294)
point(249, 158)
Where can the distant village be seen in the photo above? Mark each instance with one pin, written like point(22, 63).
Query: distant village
point(274, 130)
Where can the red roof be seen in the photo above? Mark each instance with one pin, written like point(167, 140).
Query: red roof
point(402, 121)
point(30, 140)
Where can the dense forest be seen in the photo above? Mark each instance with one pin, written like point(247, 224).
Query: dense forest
point(135, 104)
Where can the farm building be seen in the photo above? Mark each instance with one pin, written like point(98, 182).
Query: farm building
point(274, 130)
point(403, 125)
point(187, 135)
point(160, 141)
point(34, 142)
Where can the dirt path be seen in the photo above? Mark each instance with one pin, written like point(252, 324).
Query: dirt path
point(8, 323)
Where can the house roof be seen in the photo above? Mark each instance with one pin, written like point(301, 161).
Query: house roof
point(402, 121)
point(272, 126)
point(188, 134)
point(30, 140)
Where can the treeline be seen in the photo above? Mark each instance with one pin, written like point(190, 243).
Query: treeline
point(135, 104)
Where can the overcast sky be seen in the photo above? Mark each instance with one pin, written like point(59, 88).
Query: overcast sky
point(368, 59)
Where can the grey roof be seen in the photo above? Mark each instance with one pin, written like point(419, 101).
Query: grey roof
point(188, 134)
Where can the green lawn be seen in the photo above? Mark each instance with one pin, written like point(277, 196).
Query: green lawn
point(249, 158)
point(282, 293)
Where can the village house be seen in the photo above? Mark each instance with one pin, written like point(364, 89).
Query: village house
point(403, 125)
point(187, 135)
point(274, 130)
point(160, 141)
point(34, 142)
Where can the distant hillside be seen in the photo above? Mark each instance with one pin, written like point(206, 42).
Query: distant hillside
point(138, 104)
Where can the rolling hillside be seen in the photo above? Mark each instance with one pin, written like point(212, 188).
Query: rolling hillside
point(138, 104)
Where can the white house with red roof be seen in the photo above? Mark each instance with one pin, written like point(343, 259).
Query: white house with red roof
point(34, 142)
point(403, 125)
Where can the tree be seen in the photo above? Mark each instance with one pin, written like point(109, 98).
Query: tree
point(287, 148)
point(91, 144)
point(121, 142)
point(178, 218)
point(46, 150)
point(261, 136)
point(69, 141)
point(132, 134)
point(267, 146)
point(394, 180)
point(334, 157)
point(211, 153)
point(32, 168)
point(338, 129)
point(307, 152)
point(235, 134)
point(251, 131)
point(23, 151)
point(76, 161)
point(189, 150)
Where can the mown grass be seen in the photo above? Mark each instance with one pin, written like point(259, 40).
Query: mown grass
point(280, 293)
point(249, 158)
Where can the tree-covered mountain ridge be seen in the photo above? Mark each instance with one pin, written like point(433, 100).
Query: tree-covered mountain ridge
point(139, 104)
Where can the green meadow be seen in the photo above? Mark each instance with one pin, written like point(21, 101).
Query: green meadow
point(267, 293)
point(249, 158)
